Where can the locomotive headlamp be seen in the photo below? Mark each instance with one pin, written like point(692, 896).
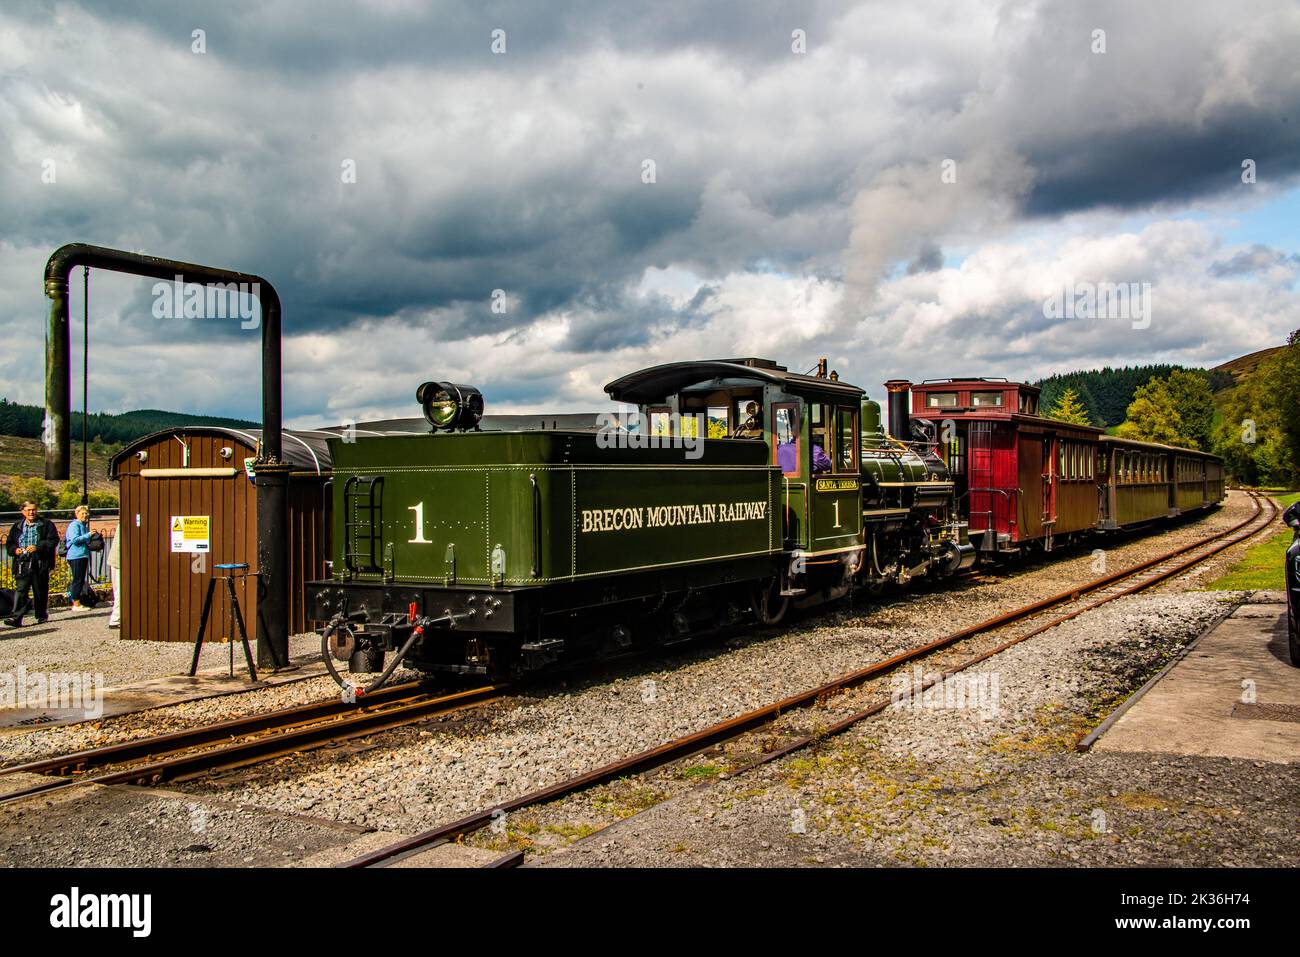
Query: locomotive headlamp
point(448, 406)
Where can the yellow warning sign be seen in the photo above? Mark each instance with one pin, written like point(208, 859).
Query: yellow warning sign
point(191, 533)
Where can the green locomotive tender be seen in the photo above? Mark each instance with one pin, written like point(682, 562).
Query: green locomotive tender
point(735, 490)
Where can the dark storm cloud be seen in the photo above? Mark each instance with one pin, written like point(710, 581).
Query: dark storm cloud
point(333, 36)
point(524, 173)
point(1143, 164)
point(605, 320)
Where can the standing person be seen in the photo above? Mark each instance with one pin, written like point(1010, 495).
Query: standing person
point(32, 541)
point(115, 576)
point(76, 537)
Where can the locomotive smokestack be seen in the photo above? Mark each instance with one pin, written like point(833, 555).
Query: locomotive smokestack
point(900, 416)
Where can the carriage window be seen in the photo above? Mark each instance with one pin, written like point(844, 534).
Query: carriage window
point(848, 439)
point(983, 400)
point(941, 400)
point(785, 434)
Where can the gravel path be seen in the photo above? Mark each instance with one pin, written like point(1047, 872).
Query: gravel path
point(81, 641)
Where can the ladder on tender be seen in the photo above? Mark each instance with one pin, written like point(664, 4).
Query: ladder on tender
point(363, 528)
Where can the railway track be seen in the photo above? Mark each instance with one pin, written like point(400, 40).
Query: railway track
point(182, 755)
point(1060, 608)
point(251, 739)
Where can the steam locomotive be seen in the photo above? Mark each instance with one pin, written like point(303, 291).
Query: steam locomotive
point(734, 491)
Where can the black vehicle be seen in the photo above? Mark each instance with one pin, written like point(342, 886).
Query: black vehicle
point(1292, 517)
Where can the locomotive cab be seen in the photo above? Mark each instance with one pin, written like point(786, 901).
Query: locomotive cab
point(809, 426)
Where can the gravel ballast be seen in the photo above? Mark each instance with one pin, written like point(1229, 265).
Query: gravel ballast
point(960, 786)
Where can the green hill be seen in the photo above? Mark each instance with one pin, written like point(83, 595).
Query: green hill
point(115, 429)
point(1242, 367)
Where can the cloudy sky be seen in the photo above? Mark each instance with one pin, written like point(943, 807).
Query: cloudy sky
point(898, 186)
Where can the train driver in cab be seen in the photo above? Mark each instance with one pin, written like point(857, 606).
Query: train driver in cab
point(821, 462)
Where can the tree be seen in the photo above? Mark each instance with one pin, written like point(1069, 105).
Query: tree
point(1069, 408)
point(34, 489)
point(1153, 416)
point(1176, 409)
point(69, 495)
point(1288, 397)
point(1190, 391)
point(1259, 437)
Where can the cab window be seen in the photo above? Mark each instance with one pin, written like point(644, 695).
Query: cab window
point(941, 400)
point(983, 400)
point(847, 459)
point(785, 438)
point(719, 422)
point(819, 428)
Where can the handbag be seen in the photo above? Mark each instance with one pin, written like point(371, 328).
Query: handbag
point(96, 542)
point(63, 548)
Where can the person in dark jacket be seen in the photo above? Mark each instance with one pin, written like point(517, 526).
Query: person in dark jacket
point(32, 542)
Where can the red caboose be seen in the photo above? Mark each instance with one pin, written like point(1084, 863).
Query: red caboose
point(1019, 478)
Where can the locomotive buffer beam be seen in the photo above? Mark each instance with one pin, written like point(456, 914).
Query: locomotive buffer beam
point(363, 648)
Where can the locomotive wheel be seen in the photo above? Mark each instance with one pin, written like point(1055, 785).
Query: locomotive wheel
point(768, 603)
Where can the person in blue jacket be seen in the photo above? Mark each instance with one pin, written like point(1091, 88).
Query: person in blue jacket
point(77, 535)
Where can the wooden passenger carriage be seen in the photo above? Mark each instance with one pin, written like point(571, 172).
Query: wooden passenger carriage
point(1019, 477)
point(1023, 479)
point(1144, 481)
